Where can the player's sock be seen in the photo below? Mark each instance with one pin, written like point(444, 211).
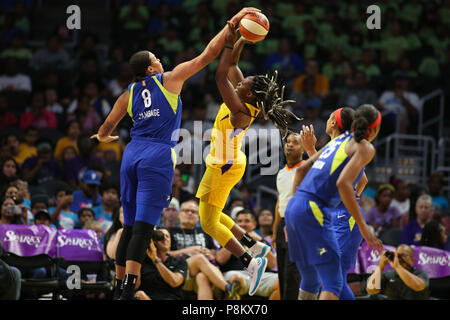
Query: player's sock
point(129, 286)
point(247, 240)
point(245, 259)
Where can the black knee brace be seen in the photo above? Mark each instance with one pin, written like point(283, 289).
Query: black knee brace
point(121, 252)
point(140, 239)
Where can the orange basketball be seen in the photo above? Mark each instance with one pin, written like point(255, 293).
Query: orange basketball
point(254, 26)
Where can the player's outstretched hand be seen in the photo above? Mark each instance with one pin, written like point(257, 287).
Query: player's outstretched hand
point(308, 138)
point(238, 16)
point(372, 240)
point(231, 35)
point(105, 139)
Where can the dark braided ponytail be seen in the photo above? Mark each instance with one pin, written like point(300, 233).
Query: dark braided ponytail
point(365, 115)
point(271, 102)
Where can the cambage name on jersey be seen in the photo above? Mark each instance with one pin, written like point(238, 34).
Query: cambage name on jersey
point(148, 114)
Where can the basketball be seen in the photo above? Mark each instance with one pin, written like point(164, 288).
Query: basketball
point(254, 26)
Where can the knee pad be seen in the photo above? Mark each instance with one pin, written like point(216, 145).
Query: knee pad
point(139, 241)
point(121, 251)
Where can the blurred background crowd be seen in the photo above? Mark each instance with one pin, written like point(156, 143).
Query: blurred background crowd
point(58, 85)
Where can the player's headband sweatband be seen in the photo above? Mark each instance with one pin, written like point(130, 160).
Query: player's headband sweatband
point(375, 124)
point(337, 117)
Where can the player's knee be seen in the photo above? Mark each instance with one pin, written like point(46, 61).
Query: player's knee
point(208, 226)
point(333, 285)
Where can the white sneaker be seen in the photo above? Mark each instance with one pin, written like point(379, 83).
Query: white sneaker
point(259, 250)
point(255, 270)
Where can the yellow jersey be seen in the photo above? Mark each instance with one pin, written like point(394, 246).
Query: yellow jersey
point(226, 140)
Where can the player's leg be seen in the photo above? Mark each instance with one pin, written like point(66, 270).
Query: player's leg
point(310, 283)
point(331, 276)
point(129, 211)
point(257, 249)
point(210, 221)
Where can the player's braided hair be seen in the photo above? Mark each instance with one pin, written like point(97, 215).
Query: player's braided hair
point(271, 102)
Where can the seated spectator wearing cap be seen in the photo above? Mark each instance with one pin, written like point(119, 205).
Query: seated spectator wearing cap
point(110, 195)
point(42, 217)
point(383, 215)
point(170, 215)
point(412, 233)
point(61, 215)
point(43, 167)
point(89, 195)
point(38, 202)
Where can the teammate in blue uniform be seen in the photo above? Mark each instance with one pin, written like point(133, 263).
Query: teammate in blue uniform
point(327, 177)
point(347, 232)
point(147, 170)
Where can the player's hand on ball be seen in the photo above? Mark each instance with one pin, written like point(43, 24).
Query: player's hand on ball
point(231, 35)
point(105, 139)
point(238, 16)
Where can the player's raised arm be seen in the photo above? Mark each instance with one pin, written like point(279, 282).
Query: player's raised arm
point(117, 113)
point(234, 73)
point(226, 89)
point(174, 80)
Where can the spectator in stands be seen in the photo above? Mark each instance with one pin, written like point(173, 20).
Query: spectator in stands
point(401, 103)
point(69, 176)
point(38, 202)
point(112, 236)
point(9, 168)
point(233, 269)
point(306, 98)
point(38, 116)
point(61, 215)
point(435, 183)
point(412, 233)
point(120, 83)
point(177, 188)
point(312, 117)
point(170, 215)
point(13, 143)
point(43, 167)
point(265, 224)
point(89, 195)
point(333, 67)
point(110, 195)
point(28, 149)
point(402, 199)
point(368, 66)
point(71, 139)
point(434, 235)
point(358, 92)
point(11, 191)
point(52, 105)
point(134, 16)
point(112, 151)
point(289, 64)
point(77, 165)
point(162, 275)
point(52, 56)
point(84, 216)
point(17, 49)
point(12, 80)
point(23, 196)
point(383, 215)
point(199, 250)
point(86, 115)
point(11, 213)
point(42, 217)
point(7, 118)
point(404, 282)
point(321, 83)
point(247, 196)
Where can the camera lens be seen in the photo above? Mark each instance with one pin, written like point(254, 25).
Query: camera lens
point(157, 235)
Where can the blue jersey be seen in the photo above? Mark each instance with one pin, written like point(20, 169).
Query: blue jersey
point(156, 112)
point(320, 181)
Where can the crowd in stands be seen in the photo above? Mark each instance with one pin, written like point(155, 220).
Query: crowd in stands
point(54, 97)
